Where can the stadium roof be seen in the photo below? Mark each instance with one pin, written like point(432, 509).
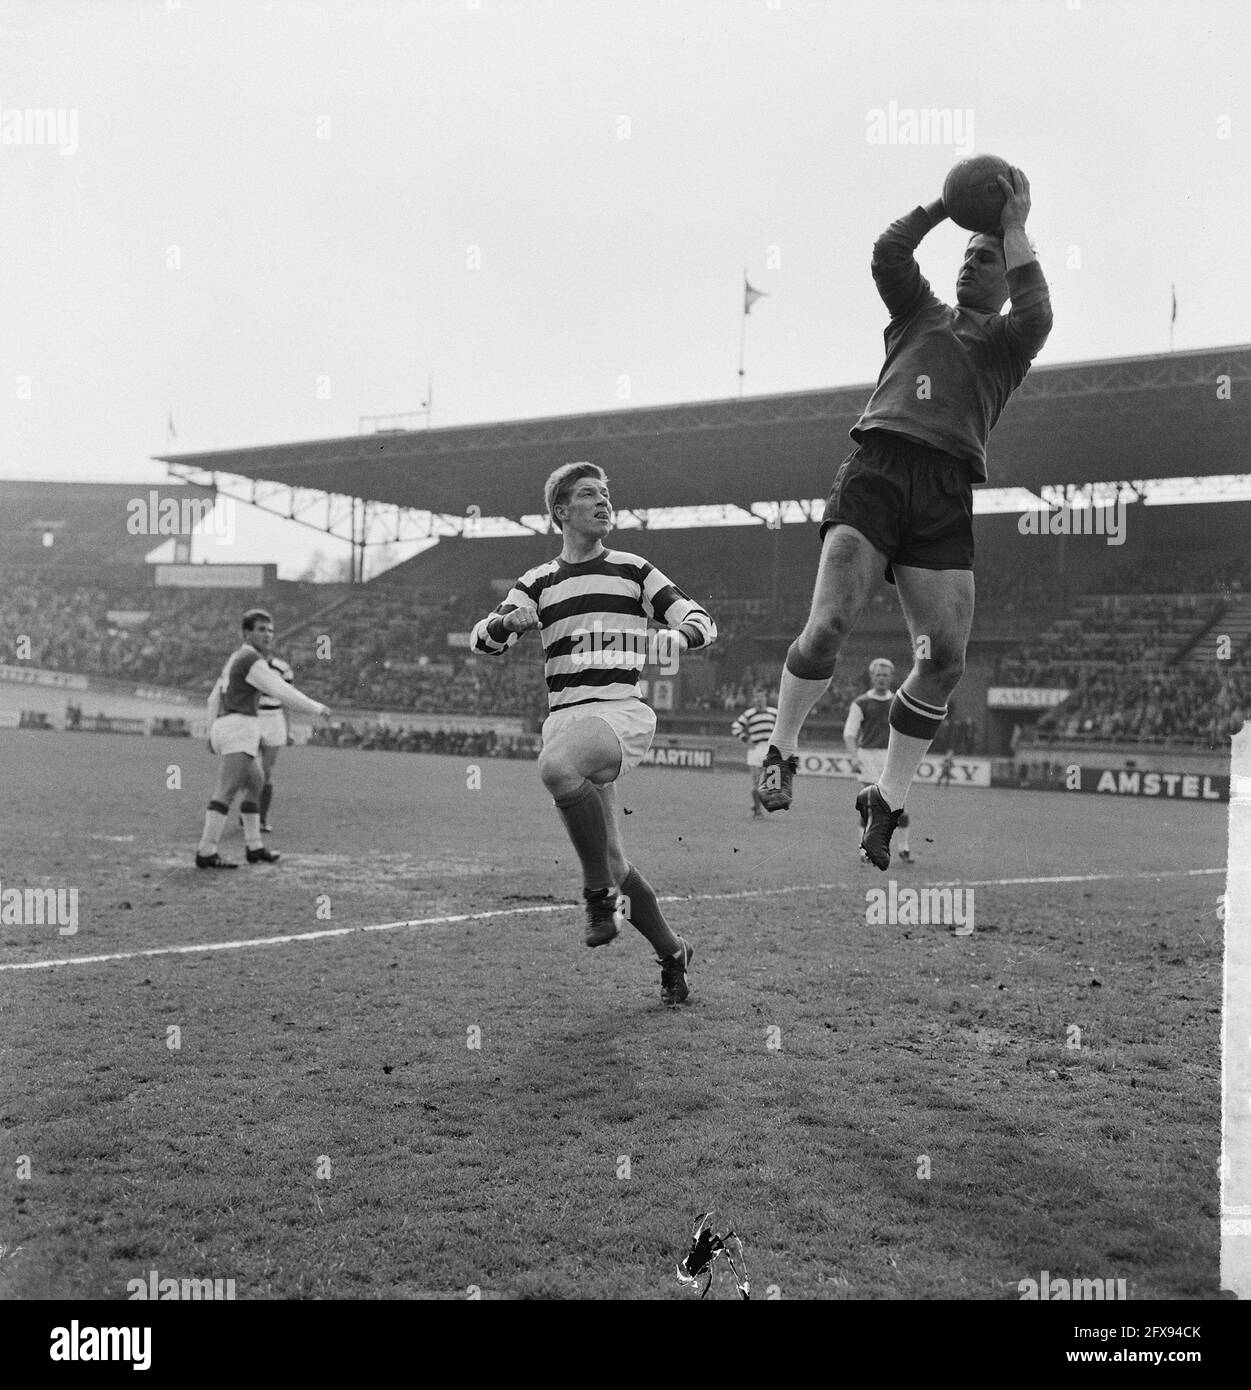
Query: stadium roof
point(1118, 419)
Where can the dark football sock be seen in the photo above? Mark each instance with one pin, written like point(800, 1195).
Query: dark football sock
point(267, 795)
point(583, 814)
point(644, 913)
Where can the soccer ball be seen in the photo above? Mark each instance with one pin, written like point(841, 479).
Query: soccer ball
point(972, 197)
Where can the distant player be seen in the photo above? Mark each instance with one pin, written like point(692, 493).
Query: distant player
point(944, 772)
point(905, 494)
point(755, 728)
point(866, 735)
point(590, 606)
point(235, 736)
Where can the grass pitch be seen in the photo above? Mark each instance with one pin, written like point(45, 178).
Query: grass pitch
point(881, 1112)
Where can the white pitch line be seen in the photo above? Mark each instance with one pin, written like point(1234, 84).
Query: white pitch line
point(564, 907)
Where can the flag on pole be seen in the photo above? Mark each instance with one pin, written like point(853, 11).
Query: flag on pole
point(750, 295)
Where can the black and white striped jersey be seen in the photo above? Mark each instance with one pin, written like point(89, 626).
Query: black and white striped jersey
point(754, 725)
point(594, 623)
point(267, 702)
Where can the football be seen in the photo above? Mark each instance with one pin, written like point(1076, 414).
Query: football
point(972, 195)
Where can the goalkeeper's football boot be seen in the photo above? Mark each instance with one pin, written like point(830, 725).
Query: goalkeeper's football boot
point(673, 986)
point(776, 777)
point(879, 823)
point(213, 861)
point(601, 915)
point(263, 856)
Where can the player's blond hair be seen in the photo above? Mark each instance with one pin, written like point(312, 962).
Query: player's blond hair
point(881, 661)
point(558, 487)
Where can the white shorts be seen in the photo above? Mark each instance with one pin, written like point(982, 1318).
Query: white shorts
point(872, 764)
point(756, 754)
point(631, 720)
point(273, 726)
point(235, 733)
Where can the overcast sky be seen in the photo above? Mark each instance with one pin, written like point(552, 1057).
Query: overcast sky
point(272, 219)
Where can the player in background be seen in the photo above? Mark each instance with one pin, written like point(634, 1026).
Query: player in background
point(273, 726)
point(944, 772)
point(755, 728)
point(905, 494)
point(235, 736)
point(866, 735)
point(590, 607)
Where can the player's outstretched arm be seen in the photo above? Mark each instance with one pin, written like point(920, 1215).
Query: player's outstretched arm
point(264, 678)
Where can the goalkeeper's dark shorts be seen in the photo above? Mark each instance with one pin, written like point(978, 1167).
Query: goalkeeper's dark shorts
point(914, 503)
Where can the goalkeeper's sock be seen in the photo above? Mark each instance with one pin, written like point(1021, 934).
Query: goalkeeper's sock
point(583, 814)
point(913, 724)
point(798, 693)
point(214, 824)
point(643, 912)
point(267, 795)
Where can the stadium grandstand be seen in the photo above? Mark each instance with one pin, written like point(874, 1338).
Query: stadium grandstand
point(1136, 644)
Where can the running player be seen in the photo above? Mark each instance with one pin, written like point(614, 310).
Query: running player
point(590, 606)
point(755, 728)
point(905, 494)
point(866, 735)
point(235, 736)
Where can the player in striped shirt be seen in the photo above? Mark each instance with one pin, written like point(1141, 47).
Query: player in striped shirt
point(866, 736)
point(755, 728)
point(591, 607)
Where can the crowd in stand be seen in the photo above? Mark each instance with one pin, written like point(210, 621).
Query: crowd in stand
point(1173, 572)
point(155, 636)
point(70, 629)
point(466, 743)
point(1193, 707)
point(388, 648)
point(1124, 631)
